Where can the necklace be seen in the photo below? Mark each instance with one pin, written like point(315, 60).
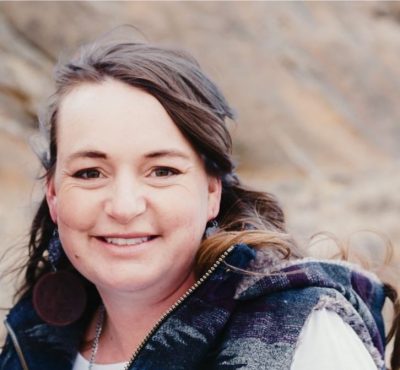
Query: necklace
point(99, 328)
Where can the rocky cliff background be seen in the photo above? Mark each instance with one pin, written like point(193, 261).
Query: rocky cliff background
point(316, 86)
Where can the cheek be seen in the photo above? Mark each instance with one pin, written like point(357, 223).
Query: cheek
point(186, 214)
point(77, 210)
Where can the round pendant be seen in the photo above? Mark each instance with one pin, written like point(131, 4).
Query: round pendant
point(59, 298)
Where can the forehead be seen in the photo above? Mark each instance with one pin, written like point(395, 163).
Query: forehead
point(112, 115)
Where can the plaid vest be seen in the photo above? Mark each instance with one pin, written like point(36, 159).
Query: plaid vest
point(232, 321)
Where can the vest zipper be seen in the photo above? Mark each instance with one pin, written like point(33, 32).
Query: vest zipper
point(177, 304)
point(16, 345)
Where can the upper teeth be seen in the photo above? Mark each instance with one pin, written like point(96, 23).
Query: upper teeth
point(125, 241)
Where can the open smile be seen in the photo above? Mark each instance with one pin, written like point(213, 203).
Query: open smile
point(126, 241)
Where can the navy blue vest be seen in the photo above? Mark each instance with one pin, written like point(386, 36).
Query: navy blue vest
point(218, 328)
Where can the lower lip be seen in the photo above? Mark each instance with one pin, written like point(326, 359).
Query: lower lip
point(127, 249)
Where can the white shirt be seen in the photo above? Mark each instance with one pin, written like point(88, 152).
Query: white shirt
point(329, 343)
point(82, 364)
point(326, 343)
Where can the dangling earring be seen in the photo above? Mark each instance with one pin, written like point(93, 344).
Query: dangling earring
point(59, 297)
point(212, 228)
point(55, 250)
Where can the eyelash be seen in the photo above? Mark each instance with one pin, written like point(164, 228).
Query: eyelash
point(84, 174)
point(81, 173)
point(172, 171)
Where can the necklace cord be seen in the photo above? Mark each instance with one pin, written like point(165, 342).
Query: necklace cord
point(95, 344)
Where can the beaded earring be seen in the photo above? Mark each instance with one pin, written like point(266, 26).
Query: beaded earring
point(59, 297)
point(212, 228)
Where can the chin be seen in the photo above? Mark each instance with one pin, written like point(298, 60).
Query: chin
point(125, 283)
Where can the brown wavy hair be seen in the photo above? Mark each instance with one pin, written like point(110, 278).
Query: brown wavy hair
point(199, 110)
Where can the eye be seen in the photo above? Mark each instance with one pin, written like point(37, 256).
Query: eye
point(88, 173)
point(164, 172)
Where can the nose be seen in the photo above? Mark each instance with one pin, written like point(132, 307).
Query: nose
point(125, 202)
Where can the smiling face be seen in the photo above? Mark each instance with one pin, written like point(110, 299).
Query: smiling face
point(129, 194)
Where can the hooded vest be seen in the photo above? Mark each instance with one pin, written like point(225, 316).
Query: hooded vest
point(231, 321)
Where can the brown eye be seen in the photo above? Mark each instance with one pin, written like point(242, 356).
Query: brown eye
point(164, 172)
point(89, 173)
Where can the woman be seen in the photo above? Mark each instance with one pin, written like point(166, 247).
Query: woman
point(148, 253)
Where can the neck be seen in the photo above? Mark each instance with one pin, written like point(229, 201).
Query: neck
point(129, 317)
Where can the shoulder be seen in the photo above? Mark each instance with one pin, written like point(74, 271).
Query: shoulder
point(265, 330)
point(39, 342)
point(285, 327)
point(278, 302)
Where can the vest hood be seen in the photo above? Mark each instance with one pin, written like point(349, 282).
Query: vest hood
point(354, 292)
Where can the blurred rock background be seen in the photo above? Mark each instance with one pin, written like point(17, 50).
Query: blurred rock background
point(316, 86)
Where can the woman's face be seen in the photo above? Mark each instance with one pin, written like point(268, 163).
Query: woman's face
point(130, 195)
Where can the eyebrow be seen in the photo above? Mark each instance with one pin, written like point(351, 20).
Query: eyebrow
point(167, 153)
point(87, 154)
point(171, 153)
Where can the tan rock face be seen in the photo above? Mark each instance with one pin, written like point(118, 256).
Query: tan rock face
point(316, 86)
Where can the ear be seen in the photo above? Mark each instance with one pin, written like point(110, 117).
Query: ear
point(51, 199)
point(214, 197)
